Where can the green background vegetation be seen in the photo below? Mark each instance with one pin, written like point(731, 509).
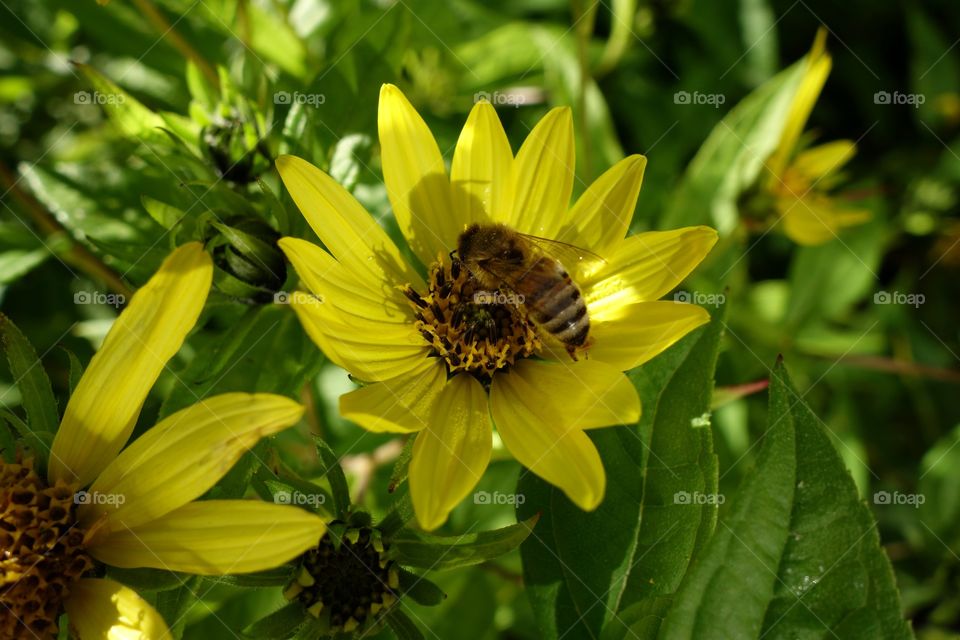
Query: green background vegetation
point(88, 187)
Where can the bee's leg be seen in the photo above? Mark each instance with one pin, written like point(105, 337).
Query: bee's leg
point(572, 350)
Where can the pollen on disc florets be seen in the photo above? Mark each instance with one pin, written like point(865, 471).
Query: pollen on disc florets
point(41, 551)
point(349, 583)
point(472, 329)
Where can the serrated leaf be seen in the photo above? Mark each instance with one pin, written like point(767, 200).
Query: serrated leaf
point(798, 554)
point(425, 551)
point(581, 568)
point(34, 385)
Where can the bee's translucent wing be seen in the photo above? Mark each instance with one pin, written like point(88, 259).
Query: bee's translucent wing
point(570, 255)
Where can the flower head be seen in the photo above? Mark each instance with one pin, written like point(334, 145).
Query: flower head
point(100, 506)
point(444, 364)
point(799, 179)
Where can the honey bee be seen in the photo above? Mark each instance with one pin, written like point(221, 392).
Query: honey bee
point(502, 258)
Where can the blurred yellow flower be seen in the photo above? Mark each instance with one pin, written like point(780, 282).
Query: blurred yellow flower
point(799, 180)
point(439, 364)
point(137, 508)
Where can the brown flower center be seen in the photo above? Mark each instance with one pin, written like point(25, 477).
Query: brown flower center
point(41, 552)
point(350, 582)
point(471, 328)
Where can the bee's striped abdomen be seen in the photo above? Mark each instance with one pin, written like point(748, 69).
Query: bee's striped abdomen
point(557, 304)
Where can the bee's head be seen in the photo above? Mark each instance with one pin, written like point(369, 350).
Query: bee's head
point(480, 242)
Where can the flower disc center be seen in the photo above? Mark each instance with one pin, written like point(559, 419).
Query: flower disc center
point(471, 328)
point(351, 582)
point(42, 552)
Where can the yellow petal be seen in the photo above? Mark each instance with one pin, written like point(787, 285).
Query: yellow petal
point(820, 161)
point(101, 609)
point(416, 178)
point(337, 285)
point(602, 215)
point(817, 69)
point(451, 454)
point(104, 407)
point(371, 350)
point(537, 436)
point(183, 456)
point(645, 330)
point(592, 393)
point(814, 219)
point(398, 405)
point(214, 537)
point(644, 267)
point(543, 176)
point(480, 174)
point(346, 229)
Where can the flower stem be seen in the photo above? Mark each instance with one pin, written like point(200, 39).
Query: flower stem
point(160, 22)
point(76, 255)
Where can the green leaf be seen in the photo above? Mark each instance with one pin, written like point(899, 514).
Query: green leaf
point(425, 551)
point(16, 263)
point(798, 554)
point(731, 158)
point(147, 579)
point(166, 215)
point(76, 369)
point(421, 590)
point(8, 443)
point(279, 625)
point(333, 472)
point(32, 381)
point(132, 118)
point(581, 568)
point(276, 577)
point(403, 626)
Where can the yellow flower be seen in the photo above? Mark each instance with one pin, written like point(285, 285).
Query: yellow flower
point(138, 509)
point(374, 315)
point(799, 180)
